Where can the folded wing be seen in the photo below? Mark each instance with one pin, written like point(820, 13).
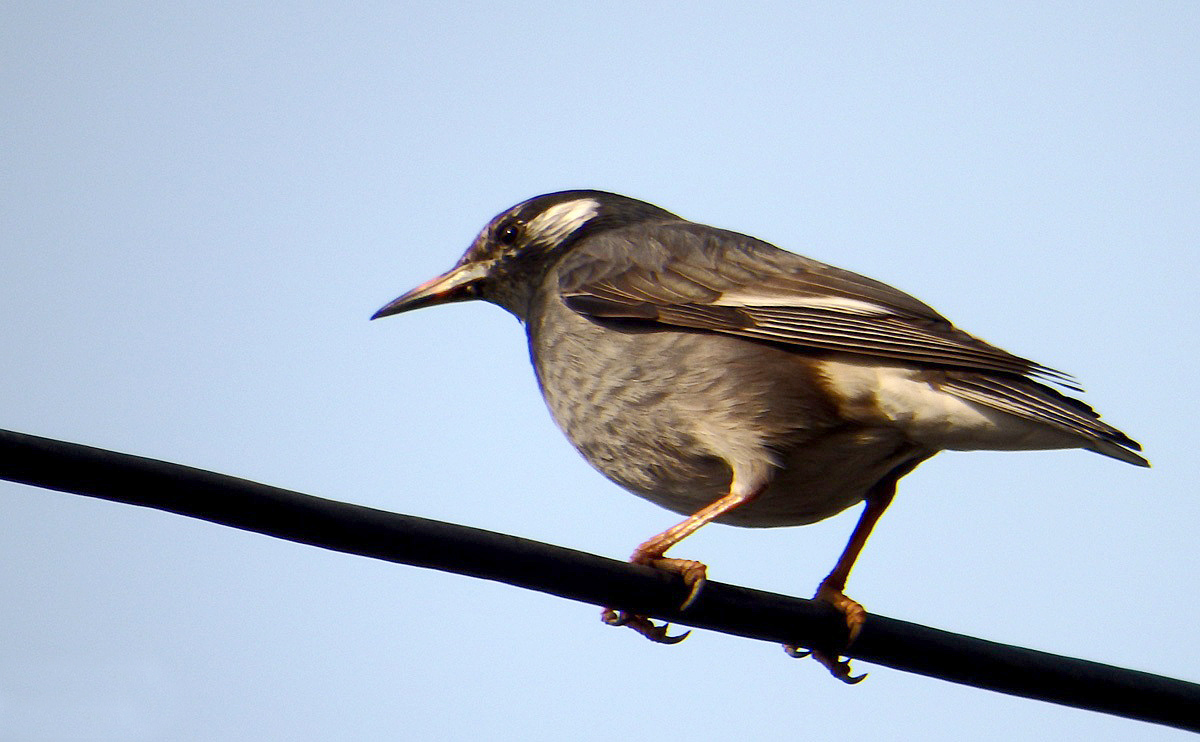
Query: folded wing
point(685, 275)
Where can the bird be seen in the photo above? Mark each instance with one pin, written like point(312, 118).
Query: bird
point(731, 381)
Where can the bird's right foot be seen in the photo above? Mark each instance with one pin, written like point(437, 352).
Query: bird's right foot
point(855, 615)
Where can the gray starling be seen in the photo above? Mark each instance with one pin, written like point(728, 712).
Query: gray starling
point(728, 380)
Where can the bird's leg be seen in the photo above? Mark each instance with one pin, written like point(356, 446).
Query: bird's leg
point(830, 589)
point(693, 573)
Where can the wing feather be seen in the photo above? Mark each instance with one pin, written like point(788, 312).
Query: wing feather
point(689, 276)
point(696, 277)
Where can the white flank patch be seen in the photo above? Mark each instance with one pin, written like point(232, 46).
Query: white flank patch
point(560, 220)
point(896, 396)
point(751, 299)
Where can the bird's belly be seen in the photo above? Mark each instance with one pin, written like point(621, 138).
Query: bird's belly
point(825, 475)
point(811, 481)
point(675, 417)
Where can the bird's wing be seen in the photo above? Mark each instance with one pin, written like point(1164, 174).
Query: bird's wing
point(688, 275)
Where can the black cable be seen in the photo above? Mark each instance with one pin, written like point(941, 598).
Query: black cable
point(355, 529)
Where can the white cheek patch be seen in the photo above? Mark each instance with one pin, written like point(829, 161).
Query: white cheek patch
point(560, 220)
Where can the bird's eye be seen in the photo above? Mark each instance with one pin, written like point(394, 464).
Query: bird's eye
point(508, 234)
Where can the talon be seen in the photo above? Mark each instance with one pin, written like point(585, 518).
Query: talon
point(661, 636)
point(697, 586)
point(838, 668)
point(656, 633)
point(855, 614)
point(694, 574)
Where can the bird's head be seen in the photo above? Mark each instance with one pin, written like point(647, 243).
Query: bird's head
point(508, 258)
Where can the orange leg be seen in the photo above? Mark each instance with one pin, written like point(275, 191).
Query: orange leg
point(832, 587)
point(693, 573)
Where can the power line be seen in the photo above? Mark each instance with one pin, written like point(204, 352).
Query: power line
point(354, 529)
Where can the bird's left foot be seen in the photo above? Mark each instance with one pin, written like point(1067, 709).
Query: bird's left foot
point(855, 616)
point(693, 573)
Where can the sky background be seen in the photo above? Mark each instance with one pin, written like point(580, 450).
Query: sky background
point(201, 206)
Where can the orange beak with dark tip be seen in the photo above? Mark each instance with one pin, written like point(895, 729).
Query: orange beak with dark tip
point(458, 284)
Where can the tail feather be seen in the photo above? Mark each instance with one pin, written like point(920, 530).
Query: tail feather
point(1108, 448)
point(1033, 401)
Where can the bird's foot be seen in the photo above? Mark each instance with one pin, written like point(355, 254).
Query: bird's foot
point(855, 616)
point(654, 632)
point(836, 666)
point(693, 573)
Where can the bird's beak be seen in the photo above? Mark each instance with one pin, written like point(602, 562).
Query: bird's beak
point(458, 284)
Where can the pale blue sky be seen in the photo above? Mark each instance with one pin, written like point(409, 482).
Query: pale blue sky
point(201, 206)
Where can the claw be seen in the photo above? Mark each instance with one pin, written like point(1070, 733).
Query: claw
point(659, 635)
point(855, 615)
point(838, 668)
point(697, 586)
point(654, 632)
point(693, 573)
